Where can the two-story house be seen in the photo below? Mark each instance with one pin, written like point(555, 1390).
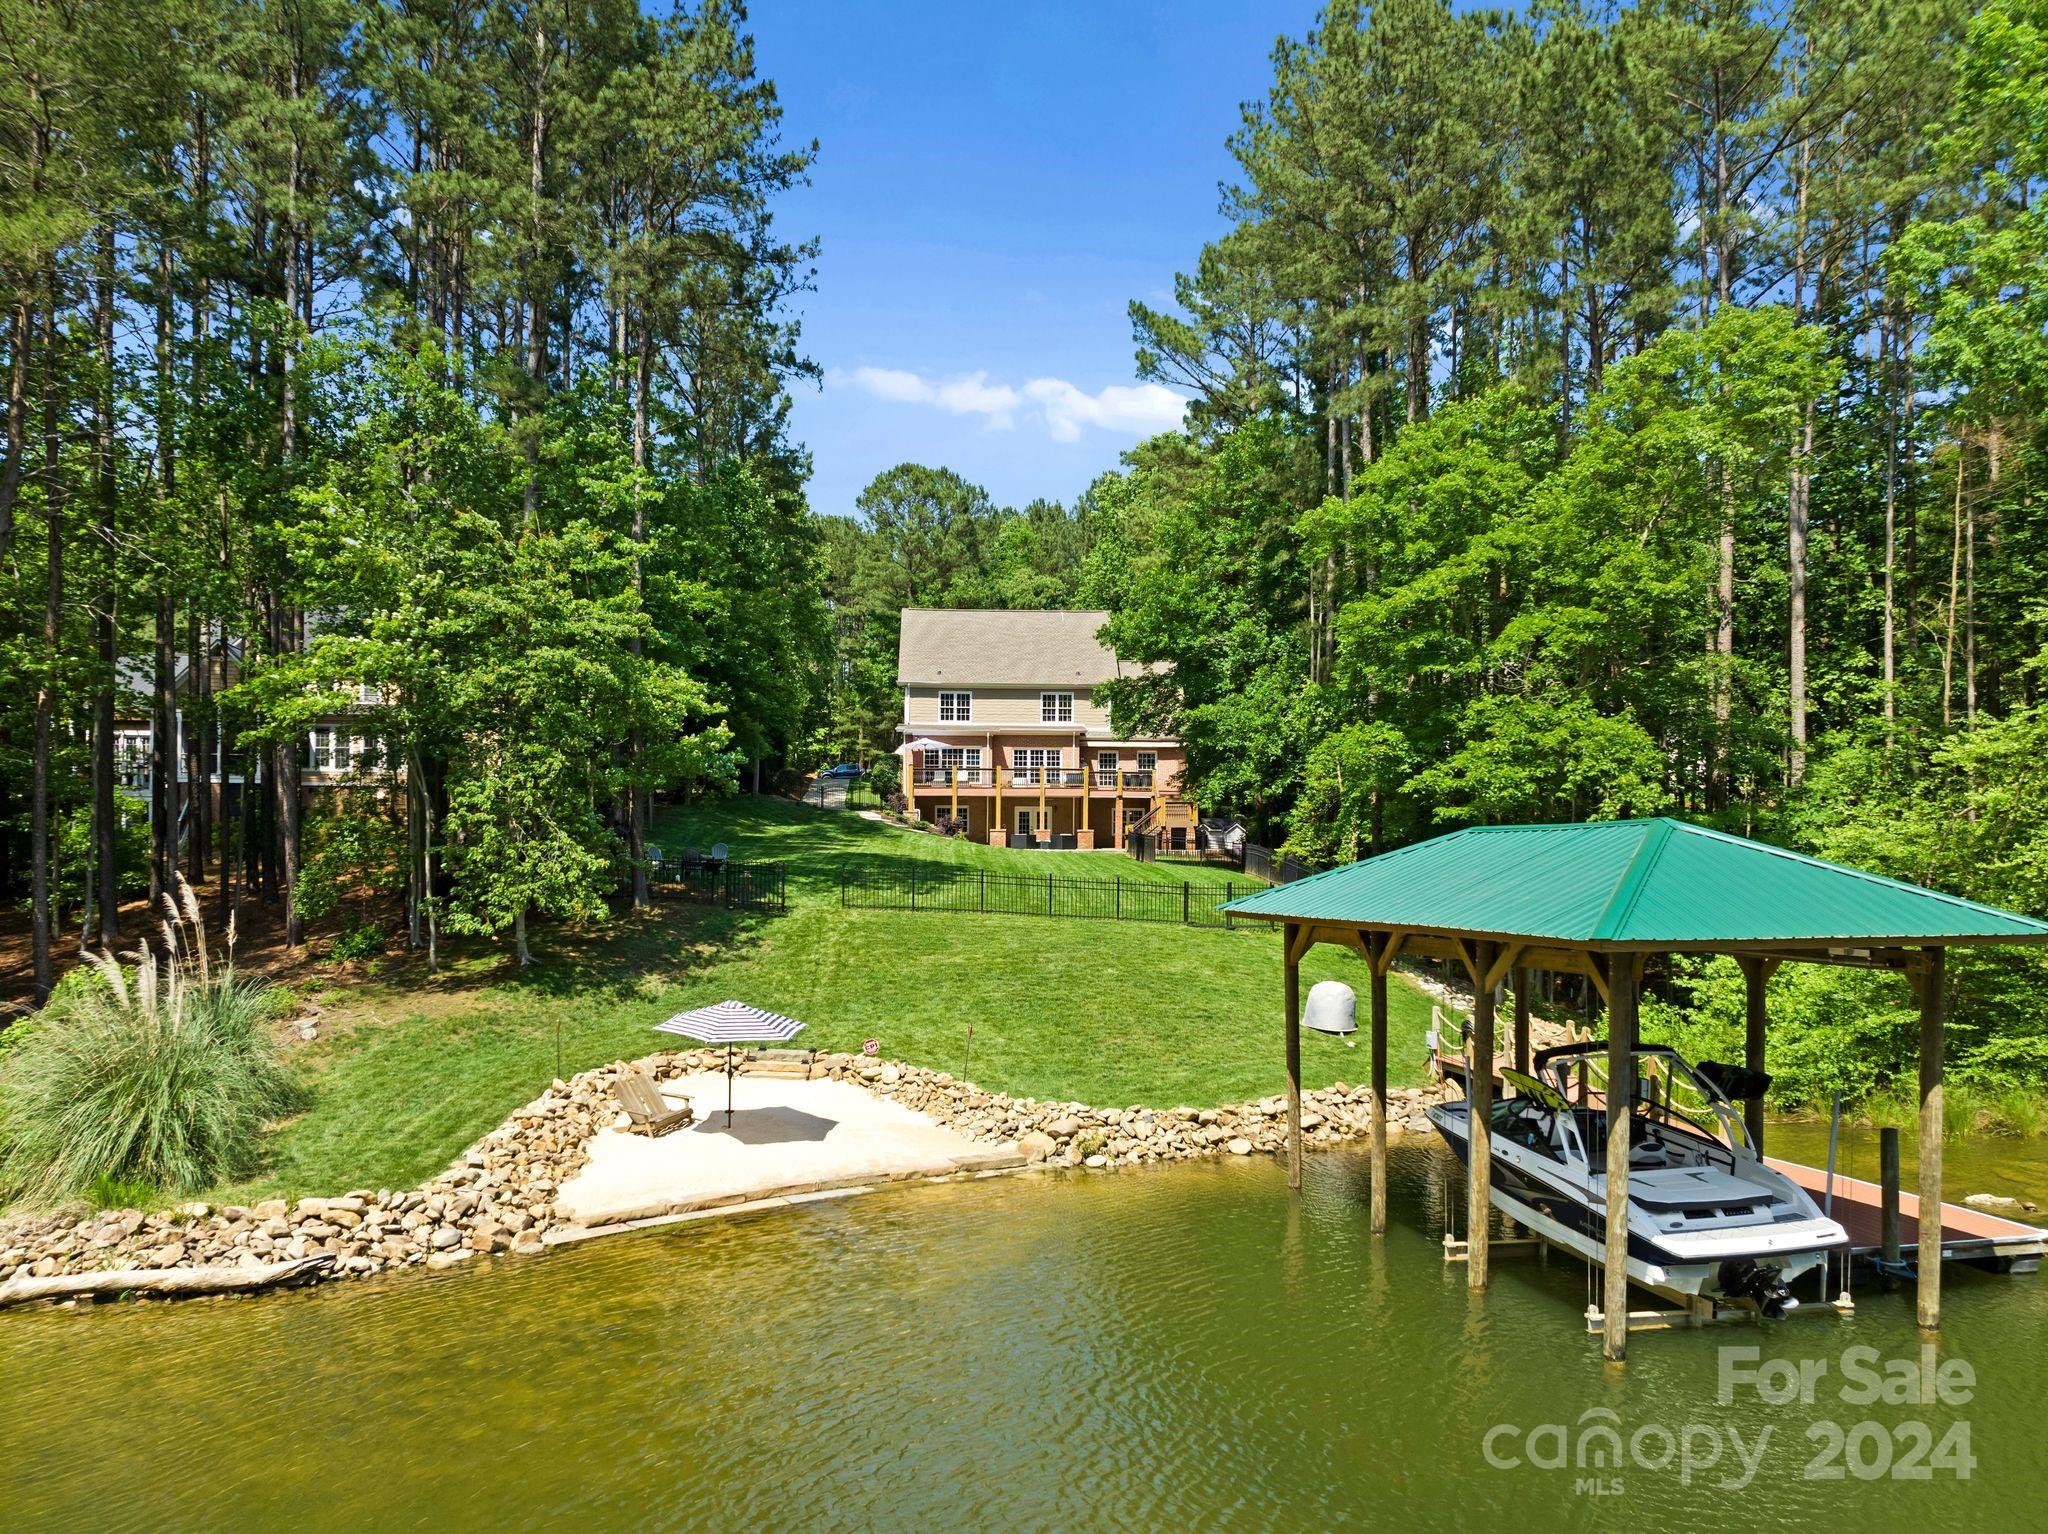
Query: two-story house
point(340, 751)
point(1003, 736)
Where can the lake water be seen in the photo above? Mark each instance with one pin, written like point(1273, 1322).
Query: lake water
point(1184, 1347)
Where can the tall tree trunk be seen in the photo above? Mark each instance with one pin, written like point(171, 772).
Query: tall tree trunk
point(40, 892)
point(107, 493)
point(198, 769)
point(11, 465)
point(1798, 499)
point(1955, 569)
point(537, 296)
point(163, 756)
point(1887, 341)
point(200, 622)
point(1722, 645)
point(163, 752)
point(231, 824)
point(289, 626)
point(638, 810)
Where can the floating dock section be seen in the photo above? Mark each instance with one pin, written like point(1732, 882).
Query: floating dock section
point(1968, 1235)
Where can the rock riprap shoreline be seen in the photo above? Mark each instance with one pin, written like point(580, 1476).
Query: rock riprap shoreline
point(500, 1195)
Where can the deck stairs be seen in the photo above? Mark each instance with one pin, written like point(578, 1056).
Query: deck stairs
point(1167, 816)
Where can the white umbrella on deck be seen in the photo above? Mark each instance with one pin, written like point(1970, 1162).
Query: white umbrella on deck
point(731, 1023)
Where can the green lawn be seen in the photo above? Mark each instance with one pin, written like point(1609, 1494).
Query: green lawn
point(1112, 1013)
point(816, 844)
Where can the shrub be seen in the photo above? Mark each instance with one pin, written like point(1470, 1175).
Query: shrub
point(163, 1075)
point(359, 940)
point(106, 1192)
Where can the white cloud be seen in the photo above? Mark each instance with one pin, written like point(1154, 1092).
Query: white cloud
point(1137, 410)
point(1130, 409)
point(968, 394)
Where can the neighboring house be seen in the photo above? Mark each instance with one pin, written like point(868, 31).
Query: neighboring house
point(1002, 733)
point(339, 748)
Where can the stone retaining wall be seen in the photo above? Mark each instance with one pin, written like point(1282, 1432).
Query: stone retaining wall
point(500, 1195)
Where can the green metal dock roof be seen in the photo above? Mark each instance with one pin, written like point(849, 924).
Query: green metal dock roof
point(1630, 883)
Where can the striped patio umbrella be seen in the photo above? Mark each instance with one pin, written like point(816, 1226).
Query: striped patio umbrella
point(731, 1023)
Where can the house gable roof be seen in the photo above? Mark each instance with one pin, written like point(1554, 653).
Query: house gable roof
point(971, 647)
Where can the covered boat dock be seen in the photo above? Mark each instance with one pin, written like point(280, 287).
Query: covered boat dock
point(1601, 900)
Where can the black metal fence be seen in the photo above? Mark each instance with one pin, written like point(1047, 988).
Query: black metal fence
point(1260, 863)
point(911, 888)
point(736, 886)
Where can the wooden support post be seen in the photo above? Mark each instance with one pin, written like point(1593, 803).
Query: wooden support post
point(1623, 975)
point(1888, 1210)
point(1521, 982)
point(1479, 1094)
point(1755, 975)
point(1928, 1260)
point(1291, 971)
point(1379, 957)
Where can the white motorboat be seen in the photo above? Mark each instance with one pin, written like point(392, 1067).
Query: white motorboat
point(1708, 1219)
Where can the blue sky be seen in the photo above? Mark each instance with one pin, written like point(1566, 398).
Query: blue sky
point(993, 185)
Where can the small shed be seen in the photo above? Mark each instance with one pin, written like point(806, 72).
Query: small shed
point(1599, 900)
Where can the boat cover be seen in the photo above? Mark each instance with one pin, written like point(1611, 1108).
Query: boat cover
point(1692, 1186)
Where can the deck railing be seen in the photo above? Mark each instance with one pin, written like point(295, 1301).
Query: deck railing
point(940, 889)
point(1091, 778)
point(948, 777)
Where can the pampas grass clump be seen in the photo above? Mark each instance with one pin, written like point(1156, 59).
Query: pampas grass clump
point(162, 1074)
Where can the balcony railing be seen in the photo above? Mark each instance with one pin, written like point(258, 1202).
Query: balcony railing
point(1033, 778)
point(1051, 777)
point(949, 777)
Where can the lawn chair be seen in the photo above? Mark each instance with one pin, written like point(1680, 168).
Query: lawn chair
point(645, 1106)
point(715, 858)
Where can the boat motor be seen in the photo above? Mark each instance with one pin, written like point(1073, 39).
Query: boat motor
point(1744, 1278)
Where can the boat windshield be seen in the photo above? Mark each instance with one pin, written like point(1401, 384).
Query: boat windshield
point(1665, 1090)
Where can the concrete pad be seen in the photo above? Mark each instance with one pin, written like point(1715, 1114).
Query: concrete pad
point(787, 1138)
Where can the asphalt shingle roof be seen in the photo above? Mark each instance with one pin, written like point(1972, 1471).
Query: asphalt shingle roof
point(1004, 648)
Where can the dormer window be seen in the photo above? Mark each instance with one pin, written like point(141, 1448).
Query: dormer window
point(956, 707)
point(1055, 708)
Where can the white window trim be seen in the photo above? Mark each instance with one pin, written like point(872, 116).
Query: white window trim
point(1055, 708)
point(961, 702)
point(1148, 761)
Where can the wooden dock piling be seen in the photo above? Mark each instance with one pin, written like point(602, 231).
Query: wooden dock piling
point(1888, 1217)
point(1624, 970)
point(1929, 979)
point(1293, 937)
point(1479, 1094)
point(1380, 959)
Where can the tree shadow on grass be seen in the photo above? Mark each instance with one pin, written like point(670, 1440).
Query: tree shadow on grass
point(595, 961)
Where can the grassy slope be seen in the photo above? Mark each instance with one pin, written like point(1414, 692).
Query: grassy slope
point(817, 844)
point(1110, 1013)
